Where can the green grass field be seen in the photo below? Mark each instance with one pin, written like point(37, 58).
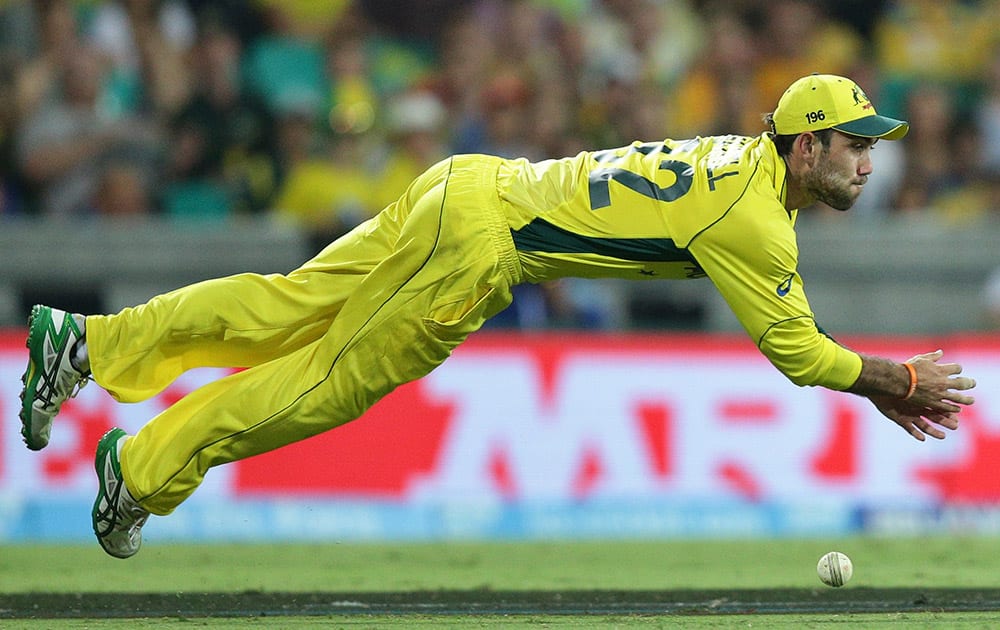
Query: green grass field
point(905, 583)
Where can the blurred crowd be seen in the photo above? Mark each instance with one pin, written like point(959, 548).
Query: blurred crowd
point(319, 112)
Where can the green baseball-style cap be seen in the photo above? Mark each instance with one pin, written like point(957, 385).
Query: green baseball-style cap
point(825, 101)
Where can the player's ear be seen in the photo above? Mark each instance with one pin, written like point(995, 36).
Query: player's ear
point(807, 145)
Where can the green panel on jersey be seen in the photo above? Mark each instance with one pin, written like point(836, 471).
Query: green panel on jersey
point(542, 236)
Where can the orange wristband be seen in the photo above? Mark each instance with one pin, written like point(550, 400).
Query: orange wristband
point(913, 380)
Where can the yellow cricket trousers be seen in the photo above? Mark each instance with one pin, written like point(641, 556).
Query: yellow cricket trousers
point(381, 306)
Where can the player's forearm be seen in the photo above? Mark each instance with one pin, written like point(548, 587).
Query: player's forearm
point(881, 377)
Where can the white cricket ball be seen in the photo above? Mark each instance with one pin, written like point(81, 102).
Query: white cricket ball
point(835, 569)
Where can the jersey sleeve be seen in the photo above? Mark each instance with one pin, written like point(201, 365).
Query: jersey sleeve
point(751, 256)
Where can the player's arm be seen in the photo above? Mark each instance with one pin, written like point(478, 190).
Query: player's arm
point(791, 340)
point(750, 256)
point(752, 264)
point(799, 349)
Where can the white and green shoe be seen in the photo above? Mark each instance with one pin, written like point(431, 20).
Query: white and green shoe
point(50, 378)
point(117, 517)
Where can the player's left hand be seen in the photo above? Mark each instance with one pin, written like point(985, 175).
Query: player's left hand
point(916, 420)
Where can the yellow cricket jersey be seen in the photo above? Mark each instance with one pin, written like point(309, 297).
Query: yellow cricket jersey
point(680, 209)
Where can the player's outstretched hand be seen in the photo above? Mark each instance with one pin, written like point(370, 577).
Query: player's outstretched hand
point(936, 401)
point(915, 420)
point(939, 386)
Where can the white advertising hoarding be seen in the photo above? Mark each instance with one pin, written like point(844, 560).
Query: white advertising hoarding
point(555, 436)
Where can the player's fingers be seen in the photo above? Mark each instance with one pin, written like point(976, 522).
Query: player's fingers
point(961, 399)
point(943, 406)
point(948, 368)
point(956, 392)
point(913, 430)
point(930, 356)
point(930, 429)
point(962, 383)
point(948, 421)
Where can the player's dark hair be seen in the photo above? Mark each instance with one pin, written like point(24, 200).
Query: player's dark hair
point(783, 142)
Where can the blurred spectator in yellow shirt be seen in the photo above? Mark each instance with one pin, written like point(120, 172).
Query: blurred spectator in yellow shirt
point(748, 58)
point(415, 140)
point(945, 41)
point(716, 95)
point(799, 38)
point(306, 19)
point(328, 187)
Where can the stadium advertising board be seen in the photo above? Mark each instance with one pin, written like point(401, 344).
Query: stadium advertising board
point(555, 436)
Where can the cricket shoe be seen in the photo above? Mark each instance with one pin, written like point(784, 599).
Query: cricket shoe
point(117, 517)
point(50, 378)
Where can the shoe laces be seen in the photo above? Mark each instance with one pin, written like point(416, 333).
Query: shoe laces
point(79, 381)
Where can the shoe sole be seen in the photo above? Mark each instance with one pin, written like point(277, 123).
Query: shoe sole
point(104, 450)
point(32, 374)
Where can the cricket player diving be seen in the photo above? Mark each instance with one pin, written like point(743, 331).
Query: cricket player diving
point(389, 301)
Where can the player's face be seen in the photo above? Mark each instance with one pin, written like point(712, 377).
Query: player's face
point(841, 171)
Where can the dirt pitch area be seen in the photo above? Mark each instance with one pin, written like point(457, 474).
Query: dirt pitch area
point(487, 602)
